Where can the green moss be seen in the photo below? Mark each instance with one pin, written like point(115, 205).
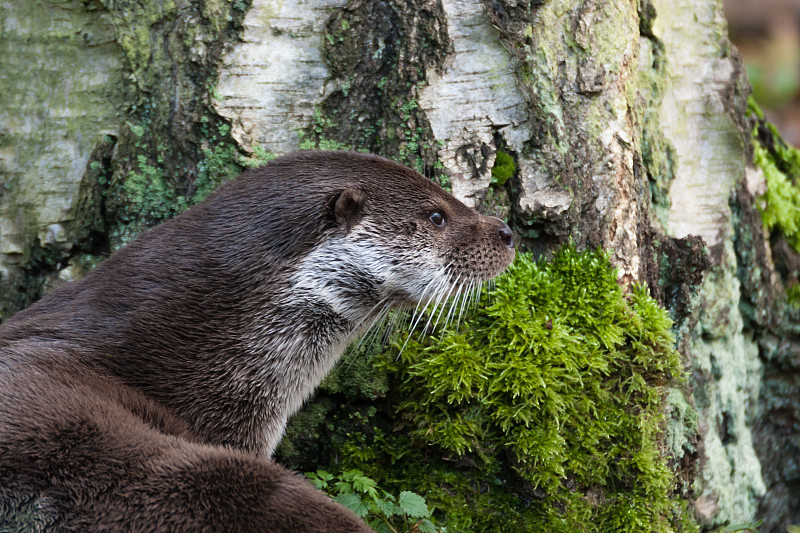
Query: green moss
point(544, 413)
point(504, 167)
point(342, 417)
point(781, 209)
point(147, 199)
point(563, 371)
point(314, 138)
point(175, 149)
point(793, 295)
point(133, 22)
point(222, 161)
point(143, 193)
point(260, 157)
point(780, 206)
point(323, 144)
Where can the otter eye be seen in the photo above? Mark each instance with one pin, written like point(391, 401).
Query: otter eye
point(438, 219)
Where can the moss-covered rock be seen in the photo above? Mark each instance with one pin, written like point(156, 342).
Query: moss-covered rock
point(544, 412)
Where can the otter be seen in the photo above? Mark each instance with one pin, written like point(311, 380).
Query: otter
point(151, 394)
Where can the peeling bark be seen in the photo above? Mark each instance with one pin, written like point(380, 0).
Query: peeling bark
point(270, 83)
point(477, 81)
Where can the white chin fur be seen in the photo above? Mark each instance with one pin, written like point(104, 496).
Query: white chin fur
point(346, 257)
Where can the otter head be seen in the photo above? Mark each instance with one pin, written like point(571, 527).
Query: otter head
point(400, 240)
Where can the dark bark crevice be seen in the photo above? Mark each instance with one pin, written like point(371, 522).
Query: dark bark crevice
point(379, 54)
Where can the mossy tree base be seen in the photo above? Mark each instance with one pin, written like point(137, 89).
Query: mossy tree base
point(545, 411)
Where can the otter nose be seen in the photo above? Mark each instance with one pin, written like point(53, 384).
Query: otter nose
point(506, 236)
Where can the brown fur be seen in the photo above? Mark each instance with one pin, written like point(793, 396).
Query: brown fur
point(150, 395)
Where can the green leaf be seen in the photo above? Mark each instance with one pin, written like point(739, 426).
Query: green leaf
point(388, 509)
point(343, 487)
point(380, 526)
point(319, 478)
point(365, 485)
point(353, 502)
point(426, 526)
point(413, 505)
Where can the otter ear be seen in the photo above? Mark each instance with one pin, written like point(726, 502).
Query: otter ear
point(348, 208)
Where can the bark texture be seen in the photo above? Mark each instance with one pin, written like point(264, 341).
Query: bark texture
point(768, 269)
point(105, 128)
point(703, 117)
point(62, 78)
point(624, 123)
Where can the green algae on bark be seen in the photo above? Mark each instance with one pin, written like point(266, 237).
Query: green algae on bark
point(60, 80)
point(134, 146)
point(780, 163)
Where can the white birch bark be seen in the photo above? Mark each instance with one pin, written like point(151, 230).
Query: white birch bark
point(711, 163)
point(270, 83)
point(59, 73)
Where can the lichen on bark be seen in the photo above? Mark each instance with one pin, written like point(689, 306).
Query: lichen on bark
point(61, 78)
point(378, 53)
point(576, 64)
point(702, 114)
point(171, 51)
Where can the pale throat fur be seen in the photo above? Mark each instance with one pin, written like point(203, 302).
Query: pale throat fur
point(342, 288)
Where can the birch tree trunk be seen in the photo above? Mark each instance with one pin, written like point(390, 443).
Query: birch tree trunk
point(626, 121)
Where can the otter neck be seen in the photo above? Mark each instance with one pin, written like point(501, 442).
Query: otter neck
point(328, 303)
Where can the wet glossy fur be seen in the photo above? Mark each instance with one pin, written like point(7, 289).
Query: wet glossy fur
point(151, 394)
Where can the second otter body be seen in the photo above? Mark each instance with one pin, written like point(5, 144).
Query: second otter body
point(211, 330)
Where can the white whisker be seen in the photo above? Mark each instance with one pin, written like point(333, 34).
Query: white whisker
point(367, 341)
point(464, 301)
point(386, 305)
point(453, 306)
point(382, 302)
point(443, 290)
point(419, 312)
point(444, 304)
